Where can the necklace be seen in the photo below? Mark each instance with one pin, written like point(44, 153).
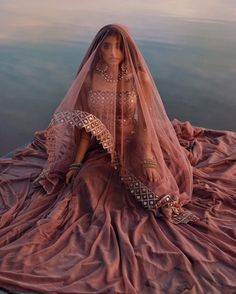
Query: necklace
point(109, 78)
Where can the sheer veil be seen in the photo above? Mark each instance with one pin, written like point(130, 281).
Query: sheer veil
point(129, 120)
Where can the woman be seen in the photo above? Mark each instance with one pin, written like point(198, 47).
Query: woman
point(101, 201)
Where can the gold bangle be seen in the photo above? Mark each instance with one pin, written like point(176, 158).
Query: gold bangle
point(147, 162)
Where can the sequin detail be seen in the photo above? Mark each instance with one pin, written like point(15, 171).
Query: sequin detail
point(91, 123)
point(141, 192)
point(41, 176)
point(144, 195)
point(126, 100)
point(80, 119)
point(87, 121)
point(184, 217)
point(151, 201)
point(179, 215)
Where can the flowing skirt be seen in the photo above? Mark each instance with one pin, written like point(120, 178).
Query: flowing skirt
point(91, 236)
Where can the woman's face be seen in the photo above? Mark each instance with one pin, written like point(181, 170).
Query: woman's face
point(111, 51)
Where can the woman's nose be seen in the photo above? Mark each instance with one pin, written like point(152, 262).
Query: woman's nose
point(113, 51)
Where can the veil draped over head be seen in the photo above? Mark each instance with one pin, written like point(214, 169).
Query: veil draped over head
point(127, 117)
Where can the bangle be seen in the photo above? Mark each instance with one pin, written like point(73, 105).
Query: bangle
point(147, 162)
point(75, 165)
point(74, 168)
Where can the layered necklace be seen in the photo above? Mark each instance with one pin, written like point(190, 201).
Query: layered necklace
point(102, 69)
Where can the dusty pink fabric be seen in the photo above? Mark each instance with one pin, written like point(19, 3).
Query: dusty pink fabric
point(92, 237)
point(128, 118)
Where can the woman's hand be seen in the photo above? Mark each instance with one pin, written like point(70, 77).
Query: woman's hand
point(151, 174)
point(70, 175)
point(171, 210)
point(167, 211)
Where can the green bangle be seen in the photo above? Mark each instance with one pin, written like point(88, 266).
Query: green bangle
point(77, 164)
point(74, 167)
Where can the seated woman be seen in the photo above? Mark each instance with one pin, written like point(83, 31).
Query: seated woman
point(114, 198)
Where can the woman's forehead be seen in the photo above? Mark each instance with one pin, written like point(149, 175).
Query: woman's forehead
point(111, 39)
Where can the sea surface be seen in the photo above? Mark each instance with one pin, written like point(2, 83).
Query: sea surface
point(189, 45)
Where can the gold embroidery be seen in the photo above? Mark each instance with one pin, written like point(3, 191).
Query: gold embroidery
point(183, 216)
point(152, 201)
point(80, 119)
point(144, 195)
point(167, 200)
point(41, 176)
point(125, 100)
point(84, 120)
point(141, 192)
point(92, 124)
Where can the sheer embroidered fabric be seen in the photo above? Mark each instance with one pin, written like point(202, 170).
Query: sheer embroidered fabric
point(127, 118)
point(84, 236)
point(125, 103)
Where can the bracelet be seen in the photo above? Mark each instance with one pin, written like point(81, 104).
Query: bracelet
point(74, 168)
point(78, 164)
point(75, 165)
point(147, 162)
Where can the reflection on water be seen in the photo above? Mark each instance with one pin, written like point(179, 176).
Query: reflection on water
point(189, 47)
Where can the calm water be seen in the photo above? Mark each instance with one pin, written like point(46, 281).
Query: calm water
point(189, 45)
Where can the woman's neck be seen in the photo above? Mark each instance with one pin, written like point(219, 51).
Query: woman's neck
point(112, 70)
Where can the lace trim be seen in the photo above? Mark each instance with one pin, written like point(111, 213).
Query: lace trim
point(144, 195)
point(87, 121)
point(41, 176)
point(141, 192)
point(80, 119)
point(179, 215)
point(184, 216)
point(152, 201)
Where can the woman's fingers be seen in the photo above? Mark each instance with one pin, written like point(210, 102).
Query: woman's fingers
point(69, 176)
point(167, 211)
point(154, 175)
point(151, 174)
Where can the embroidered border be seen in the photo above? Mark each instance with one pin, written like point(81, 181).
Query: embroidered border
point(80, 119)
point(144, 195)
point(183, 216)
point(87, 121)
point(41, 176)
point(141, 192)
point(152, 201)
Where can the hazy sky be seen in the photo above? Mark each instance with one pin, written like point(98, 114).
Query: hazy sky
point(32, 20)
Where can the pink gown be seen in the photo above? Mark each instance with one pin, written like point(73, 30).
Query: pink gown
point(92, 236)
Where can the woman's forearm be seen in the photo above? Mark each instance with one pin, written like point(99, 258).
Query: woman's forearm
point(145, 133)
point(83, 145)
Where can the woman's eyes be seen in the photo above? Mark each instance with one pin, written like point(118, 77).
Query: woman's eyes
point(109, 46)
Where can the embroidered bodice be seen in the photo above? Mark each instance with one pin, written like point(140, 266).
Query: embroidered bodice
point(102, 102)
